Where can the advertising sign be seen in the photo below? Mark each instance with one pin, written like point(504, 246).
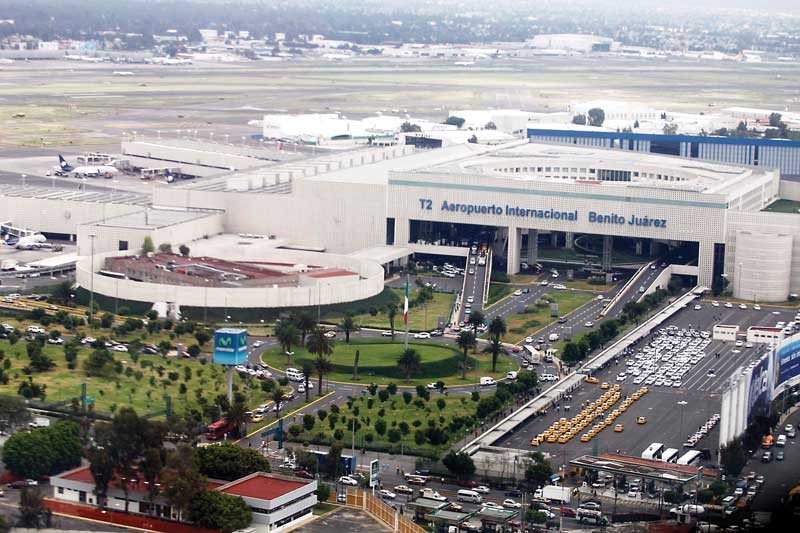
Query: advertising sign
point(759, 391)
point(786, 360)
point(230, 346)
point(374, 470)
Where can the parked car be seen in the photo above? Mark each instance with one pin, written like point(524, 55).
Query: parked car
point(347, 480)
point(483, 489)
point(387, 494)
point(508, 503)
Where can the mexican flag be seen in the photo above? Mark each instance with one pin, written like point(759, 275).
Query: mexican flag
point(405, 305)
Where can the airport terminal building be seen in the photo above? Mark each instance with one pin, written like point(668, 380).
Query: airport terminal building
point(374, 207)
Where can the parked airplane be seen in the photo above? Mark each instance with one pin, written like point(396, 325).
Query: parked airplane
point(65, 169)
point(37, 240)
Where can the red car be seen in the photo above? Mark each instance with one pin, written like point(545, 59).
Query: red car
point(304, 474)
point(568, 512)
point(468, 483)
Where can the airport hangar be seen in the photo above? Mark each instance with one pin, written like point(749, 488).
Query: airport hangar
point(375, 206)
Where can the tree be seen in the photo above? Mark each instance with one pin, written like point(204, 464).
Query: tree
point(323, 492)
point(355, 365)
point(307, 369)
point(497, 328)
point(165, 248)
point(490, 126)
point(733, 458)
point(279, 397)
point(579, 119)
point(409, 363)
point(348, 325)
point(670, 128)
point(150, 468)
point(596, 116)
point(147, 246)
point(212, 509)
point(44, 451)
point(391, 313)
point(237, 416)
point(477, 318)
point(538, 470)
point(321, 346)
point(572, 354)
point(101, 466)
point(305, 323)
point(184, 250)
point(182, 479)
point(455, 121)
point(202, 336)
point(323, 366)
point(459, 464)
point(13, 412)
point(407, 127)
point(229, 462)
point(288, 335)
point(32, 510)
point(775, 120)
point(465, 341)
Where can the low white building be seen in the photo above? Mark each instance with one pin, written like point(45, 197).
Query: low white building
point(764, 335)
point(725, 332)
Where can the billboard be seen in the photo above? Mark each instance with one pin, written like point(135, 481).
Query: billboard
point(786, 360)
point(230, 346)
point(759, 389)
point(374, 471)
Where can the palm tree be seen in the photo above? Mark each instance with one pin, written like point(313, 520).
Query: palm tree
point(288, 335)
point(348, 325)
point(465, 341)
point(278, 396)
point(497, 328)
point(305, 323)
point(323, 366)
point(391, 312)
point(307, 368)
point(409, 363)
point(477, 318)
point(237, 415)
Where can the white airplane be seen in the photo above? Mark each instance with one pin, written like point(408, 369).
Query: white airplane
point(65, 169)
point(123, 73)
point(37, 240)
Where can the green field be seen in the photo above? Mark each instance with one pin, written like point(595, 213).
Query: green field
point(418, 415)
point(498, 291)
point(420, 318)
point(378, 362)
point(138, 381)
point(783, 206)
point(521, 325)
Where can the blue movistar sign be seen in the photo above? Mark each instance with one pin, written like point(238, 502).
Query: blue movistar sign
point(230, 346)
point(426, 204)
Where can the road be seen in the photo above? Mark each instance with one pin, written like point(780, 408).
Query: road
point(473, 288)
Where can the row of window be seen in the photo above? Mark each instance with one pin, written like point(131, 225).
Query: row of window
point(261, 510)
point(602, 173)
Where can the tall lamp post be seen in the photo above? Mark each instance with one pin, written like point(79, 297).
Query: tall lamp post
point(682, 403)
point(91, 280)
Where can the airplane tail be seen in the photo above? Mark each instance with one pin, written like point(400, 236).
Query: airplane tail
point(63, 163)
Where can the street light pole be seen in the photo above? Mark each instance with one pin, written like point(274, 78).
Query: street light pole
point(91, 280)
point(682, 403)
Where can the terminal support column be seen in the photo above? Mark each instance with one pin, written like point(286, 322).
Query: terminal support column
point(608, 246)
point(513, 255)
point(533, 246)
point(705, 263)
point(569, 239)
point(402, 231)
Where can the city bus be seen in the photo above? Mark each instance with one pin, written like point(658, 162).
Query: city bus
point(217, 430)
point(653, 452)
point(690, 458)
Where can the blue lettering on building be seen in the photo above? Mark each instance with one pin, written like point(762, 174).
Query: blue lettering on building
point(546, 214)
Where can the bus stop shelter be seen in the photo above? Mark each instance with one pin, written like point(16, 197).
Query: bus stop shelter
point(497, 520)
point(443, 519)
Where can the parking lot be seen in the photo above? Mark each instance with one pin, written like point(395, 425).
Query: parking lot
point(672, 413)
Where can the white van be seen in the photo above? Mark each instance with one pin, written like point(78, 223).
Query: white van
point(470, 496)
point(486, 382)
point(781, 442)
point(294, 375)
point(511, 375)
point(553, 337)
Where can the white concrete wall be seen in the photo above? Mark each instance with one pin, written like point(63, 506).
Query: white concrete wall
point(790, 190)
point(762, 266)
point(328, 292)
point(725, 332)
point(58, 216)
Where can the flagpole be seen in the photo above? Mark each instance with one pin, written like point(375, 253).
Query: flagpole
point(406, 311)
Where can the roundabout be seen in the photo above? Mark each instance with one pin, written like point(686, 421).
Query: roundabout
point(377, 363)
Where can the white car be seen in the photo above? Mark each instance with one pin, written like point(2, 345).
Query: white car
point(36, 329)
point(389, 495)
point(258, 344)
point(742, 306)
point(404, 489)
point(55, 341)
point(698, 307)
point(119, 348)
point(386, 333)
point(471, 299)
point(518, 292)
point(528, 340)
point(430, 386)
point(422, 335)
point(588, 324)
point(482, 489)
point(511, 504)
point(559, 287)
point(347, 480)
point(728, 305)
point(756, 307)
point(330, 334)
point(491, 505)
point(240, 368)
point(715, 304)
point(544, 283)
point(471, 271)
point(433, 495)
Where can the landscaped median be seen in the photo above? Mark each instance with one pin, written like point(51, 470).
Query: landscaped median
point(537, 315)
point(378, 362)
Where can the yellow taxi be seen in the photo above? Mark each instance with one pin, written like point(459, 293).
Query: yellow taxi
point(534, 442)
point(605, 385)
point(619, 428)
point(591, 379)
point(552, 438)
point(641, 420)
point(257, 418)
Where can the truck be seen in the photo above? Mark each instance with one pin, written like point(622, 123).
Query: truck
point(552, 493)
point(39, 422)
point(553, 337)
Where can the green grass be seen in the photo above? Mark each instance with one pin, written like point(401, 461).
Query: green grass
point(498, 291)
point(784, 206)
point(117, 390)
point(521, 325)
point(378, 362)
point(395, 411)
point(420, 318)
